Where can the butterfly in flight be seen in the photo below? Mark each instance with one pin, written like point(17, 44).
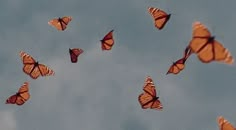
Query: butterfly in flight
point(160, 17)
point(224, 124)
point(179, 65)
point(33, 68)
point(60, 23)
point(74, 53)
point(21, 96)
point(206, 47)
point(149, 99)
point(107, 42)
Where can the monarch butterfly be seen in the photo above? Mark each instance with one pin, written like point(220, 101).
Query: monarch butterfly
point(148, 99)
point(33, 68)
point(179, 65)
point(224, 124)
point(21, 96)
point(60, 23)
point(74, 53)
point(206, 47)
point(107, 42)
point(160, 17)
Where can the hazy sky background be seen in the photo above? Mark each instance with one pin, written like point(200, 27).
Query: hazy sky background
point(101, 91)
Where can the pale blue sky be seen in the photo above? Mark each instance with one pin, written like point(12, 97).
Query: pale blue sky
point(101, 91)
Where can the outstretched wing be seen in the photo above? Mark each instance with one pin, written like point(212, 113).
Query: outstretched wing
point(224, 124)
point(45, 71)
point(28, 62)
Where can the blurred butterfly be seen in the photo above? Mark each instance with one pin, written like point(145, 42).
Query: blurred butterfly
point(107, 42)
point(74, 53)
point(33, 68)
point(60, 23)
point(21, 96)
point(224, 124)
point(206, 47)
point(160, 17)
point(149, 98)
point(179, 65)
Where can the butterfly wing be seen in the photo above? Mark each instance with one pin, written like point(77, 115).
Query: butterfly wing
point(160, 17)
point(74, 53)
point(157, 105)
point(60, 23)
point(224, 124)
point(107, 42)
point(200, 36)
point(65, 21)
point(177, 66)
point(24, 91)
point(11, 99)
point(45, 71)
point(28, 62)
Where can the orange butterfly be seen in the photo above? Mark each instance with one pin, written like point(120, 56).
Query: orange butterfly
point(179, 65)
point(160, 17)
point(33, 68)
point(60, 23)
point(148, 99)
point(21, 96)
point(108, 41)
point(224, 124)
point(206, 47)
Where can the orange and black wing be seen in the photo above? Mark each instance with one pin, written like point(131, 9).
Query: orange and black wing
point(224, 124)
point(29, 64)
point(60, 23)
point(45, 71)
point(177, 66)
point(21, 96)
point(160, 17)
point(74, 53)
point(148, 99)
point(206, 47)
point(107, 42)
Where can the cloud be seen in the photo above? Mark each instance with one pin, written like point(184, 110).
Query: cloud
point(7, 120)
